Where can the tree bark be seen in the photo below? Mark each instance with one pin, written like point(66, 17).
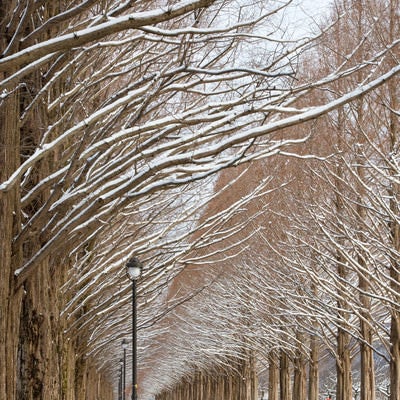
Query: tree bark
point(367, 370)
point(284, 376)
point(273, 376)
point(313, 370)
point(10, 300)
point(394, 195)
point(300, 372)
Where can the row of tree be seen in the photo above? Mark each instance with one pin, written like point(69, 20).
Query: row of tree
point(115, 119)
point(307, 275)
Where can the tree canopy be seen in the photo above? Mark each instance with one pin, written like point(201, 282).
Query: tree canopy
point(253, 172)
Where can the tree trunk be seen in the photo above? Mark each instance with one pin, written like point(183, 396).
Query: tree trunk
point(394, 196)
point(10, 259)
point(300, 372)
point(39, 357)
point(343, 357)
point(344, 388)
point(343, 367)
point(273, 376)
point(284, 376)
point(367, 370)
point(395, 356)
point(248, 378)
point(313, 370)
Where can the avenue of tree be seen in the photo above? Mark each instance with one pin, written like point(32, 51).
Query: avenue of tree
point(253, 170)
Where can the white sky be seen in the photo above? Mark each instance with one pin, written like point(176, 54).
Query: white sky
point(302, 12)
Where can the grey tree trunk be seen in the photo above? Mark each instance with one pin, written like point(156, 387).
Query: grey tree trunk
point(273, 376)
point(284, 371)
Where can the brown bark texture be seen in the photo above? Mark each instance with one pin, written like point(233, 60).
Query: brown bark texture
point(34, 362)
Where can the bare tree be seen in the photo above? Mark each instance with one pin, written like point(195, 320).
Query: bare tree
point(109, 113)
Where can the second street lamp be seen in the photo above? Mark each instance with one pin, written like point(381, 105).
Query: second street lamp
point(120, 379)
point(134, 269)
point(124, 347)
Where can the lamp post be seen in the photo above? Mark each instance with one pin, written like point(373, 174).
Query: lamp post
point(134, 269)
point(120, 379)
point(124, 347)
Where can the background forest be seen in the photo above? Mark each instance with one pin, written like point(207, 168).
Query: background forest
point(250, 162)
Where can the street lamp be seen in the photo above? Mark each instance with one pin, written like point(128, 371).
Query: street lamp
point(134, 270)
point(120, 379)
point(124, 347)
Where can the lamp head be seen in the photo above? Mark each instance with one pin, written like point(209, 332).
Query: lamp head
point(134, 268)
point(124, 343)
